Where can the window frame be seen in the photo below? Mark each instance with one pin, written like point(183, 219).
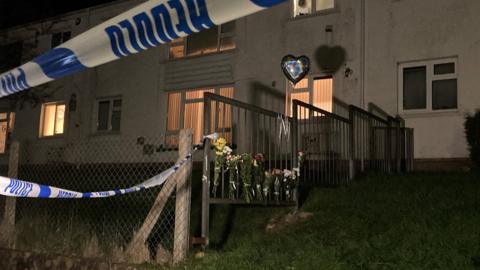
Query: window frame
point(184, 101)
point(42, 119)
point(431, 77)
point(10, 127)
point(111, 100)
point(62, 37)
point(309, 90)
point(220, 36)
point(314, 11)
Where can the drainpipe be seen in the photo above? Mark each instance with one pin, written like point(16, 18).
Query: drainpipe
point(362, 53)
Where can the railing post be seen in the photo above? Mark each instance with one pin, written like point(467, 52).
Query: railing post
point(183, 199)
point(352, 143)
point(389, 146)
point(398, 152)
point(206, 174)
point(295, 150)
point(8, 223)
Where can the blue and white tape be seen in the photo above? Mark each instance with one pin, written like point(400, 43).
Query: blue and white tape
point(148, 25)
point(18, 188)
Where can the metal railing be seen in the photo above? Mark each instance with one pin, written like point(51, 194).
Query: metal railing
point(324, 138)
point(251, 130)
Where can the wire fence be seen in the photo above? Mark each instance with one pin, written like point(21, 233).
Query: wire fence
point(134, 228)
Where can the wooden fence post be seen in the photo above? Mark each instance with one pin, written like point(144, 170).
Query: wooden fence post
point(183, 199)
point(8, 223)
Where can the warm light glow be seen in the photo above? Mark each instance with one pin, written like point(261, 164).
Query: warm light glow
point(303, 97)
point(3, 136)
point(173, 118)
point(53, 118)
point(198, 94)
point(322, 98)
point(323, 94)
point(192, 107)
point(59, 119)
point(303, 84)
point(11, 122)
point(193, 119)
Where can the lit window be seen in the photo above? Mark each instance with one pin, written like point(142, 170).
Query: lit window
point(7, 121)
point(52, 119)
point(109, 114)
point(308, 7)
point(216, 39)
point(428, 85)
point(317, 91)
point(185, 110)
point(60, 37)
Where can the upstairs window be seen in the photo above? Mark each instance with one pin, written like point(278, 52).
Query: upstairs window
point(309, 7)
point(217, 39)
point(428, 86)
point(60, 37)
point(109, 114)
point(52, 119)
point(10, 56)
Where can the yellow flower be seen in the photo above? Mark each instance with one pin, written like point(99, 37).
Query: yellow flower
point(220, 144)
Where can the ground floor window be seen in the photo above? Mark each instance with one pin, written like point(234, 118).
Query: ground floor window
point(317, 91)
point(7, 120)
point(185, 110)
point(427, 86)
point(109, 114)
point(52, 119)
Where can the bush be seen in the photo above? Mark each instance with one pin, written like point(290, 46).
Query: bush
point(472, 131)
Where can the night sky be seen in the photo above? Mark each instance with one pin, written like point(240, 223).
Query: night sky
point(16, 12)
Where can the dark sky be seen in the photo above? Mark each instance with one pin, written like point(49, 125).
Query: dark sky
point(15, 12)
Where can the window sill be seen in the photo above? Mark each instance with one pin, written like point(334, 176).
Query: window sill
point(424, 114)
point(105, 133)
point(54, 137)
point(314, 15)
point(232, 51)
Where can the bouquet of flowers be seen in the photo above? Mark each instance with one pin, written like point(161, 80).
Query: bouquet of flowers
point(219, 145)
point(288, 183)
point(269, 179)
point(246, 175)
point(259, 175)
point(232, 167)
point(277, 184)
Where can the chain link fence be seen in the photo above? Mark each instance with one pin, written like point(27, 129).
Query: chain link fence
point(133, 228)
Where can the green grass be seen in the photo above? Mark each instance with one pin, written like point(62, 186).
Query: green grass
point(421, 221)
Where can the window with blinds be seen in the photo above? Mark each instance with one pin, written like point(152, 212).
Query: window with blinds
point(315, 91)
point(185, 110)
point(52, 119)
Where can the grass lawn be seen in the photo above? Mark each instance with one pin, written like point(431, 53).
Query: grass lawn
point(421, 221)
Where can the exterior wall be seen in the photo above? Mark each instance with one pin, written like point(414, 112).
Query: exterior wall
point(395, 31)
point(409, 30)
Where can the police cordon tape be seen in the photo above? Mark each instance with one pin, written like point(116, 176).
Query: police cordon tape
point(146, 26)
point(19, 188)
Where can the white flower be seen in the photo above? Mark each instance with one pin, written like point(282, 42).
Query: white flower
point(227, 150)
point(287, 173)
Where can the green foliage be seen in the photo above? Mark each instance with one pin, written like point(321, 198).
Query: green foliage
point(472, 131)
point(422, 221)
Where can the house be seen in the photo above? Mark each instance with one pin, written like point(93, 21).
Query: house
point(412, 58)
